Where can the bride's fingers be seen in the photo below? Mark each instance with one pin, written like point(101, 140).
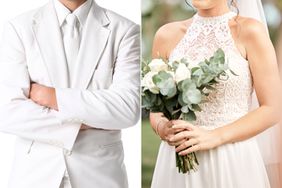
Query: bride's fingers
point(171, 131)
point(175, 131)
point(176, 143)
point(182, 135)
point(191, 149)
point(179, 121)
point(187, 144)
point(186, 125)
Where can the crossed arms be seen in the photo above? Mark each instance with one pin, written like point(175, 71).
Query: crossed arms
point(30, 110)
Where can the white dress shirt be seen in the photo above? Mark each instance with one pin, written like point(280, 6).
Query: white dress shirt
point(81, 13)
point(71, 26)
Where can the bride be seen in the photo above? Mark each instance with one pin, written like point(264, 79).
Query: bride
point(223, 134)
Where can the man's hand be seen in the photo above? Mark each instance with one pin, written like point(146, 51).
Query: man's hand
point(43, 95)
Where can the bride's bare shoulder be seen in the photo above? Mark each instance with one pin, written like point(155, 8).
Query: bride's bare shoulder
point(172, 28)
point(251, 26)
point(251, 30)
point(248, 34)
point(167, 37)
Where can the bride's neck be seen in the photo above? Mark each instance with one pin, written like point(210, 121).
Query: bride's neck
point(215, 11)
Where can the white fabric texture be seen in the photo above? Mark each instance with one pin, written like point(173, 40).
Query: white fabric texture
point(71, 38)
point(237, 165)
point(65, 181)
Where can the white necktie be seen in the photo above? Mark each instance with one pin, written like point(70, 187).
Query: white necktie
point(71, 41)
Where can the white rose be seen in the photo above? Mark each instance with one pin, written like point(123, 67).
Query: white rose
point(157, 65)
point(147, 83)
point(192, 65)
point(182, 72)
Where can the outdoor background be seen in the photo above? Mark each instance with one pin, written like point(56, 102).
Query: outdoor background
point(156, 13)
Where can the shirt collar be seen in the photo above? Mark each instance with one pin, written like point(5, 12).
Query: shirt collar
point(81, 12)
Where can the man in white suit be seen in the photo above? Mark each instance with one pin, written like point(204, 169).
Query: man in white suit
point(69, 82)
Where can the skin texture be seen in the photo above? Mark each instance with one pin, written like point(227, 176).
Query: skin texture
point(72, 4)
point(46, 96)
point(254, 45)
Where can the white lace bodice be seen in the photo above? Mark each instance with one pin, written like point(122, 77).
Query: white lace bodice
point(232, 99)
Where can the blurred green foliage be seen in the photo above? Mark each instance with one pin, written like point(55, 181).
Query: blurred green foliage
point(153, 20)
point(150, 145)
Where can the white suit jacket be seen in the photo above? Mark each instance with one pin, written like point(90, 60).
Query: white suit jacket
point(105, 95)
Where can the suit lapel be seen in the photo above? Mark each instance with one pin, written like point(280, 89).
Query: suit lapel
point(49, 38)
point(94, 40)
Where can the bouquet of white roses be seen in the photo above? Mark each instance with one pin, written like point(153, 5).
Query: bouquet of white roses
point(177, 89)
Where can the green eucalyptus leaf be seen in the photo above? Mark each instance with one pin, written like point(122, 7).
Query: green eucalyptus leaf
point(207, 78)
point(165, 82)
point(190, 116)
point(172, 92)
point(180, 99)
point(192, 96)
point(185, 109)
point(197, 71)
point(148, 99)
point(159, 101)
point(196, 107)
point(232, 72)
point(187, 84)
point(162, 75)
point(194, 69)
point(219, 53)
point(168, 88)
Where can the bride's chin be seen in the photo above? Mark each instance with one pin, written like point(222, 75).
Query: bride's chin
point(202, 4)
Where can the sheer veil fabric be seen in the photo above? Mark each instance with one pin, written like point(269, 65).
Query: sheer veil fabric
point(270, 142)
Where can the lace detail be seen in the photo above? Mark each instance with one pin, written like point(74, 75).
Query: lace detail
point(232, 99)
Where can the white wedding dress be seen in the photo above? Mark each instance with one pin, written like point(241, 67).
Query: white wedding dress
point(237, 165)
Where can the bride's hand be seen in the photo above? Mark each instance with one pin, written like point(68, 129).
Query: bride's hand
point(196, 138)
point(165, 132)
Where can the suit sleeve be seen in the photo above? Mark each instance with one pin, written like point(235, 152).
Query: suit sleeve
point(18, 114)
point(118, 106)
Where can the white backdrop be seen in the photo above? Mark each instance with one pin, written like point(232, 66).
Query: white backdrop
point(131, 136)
